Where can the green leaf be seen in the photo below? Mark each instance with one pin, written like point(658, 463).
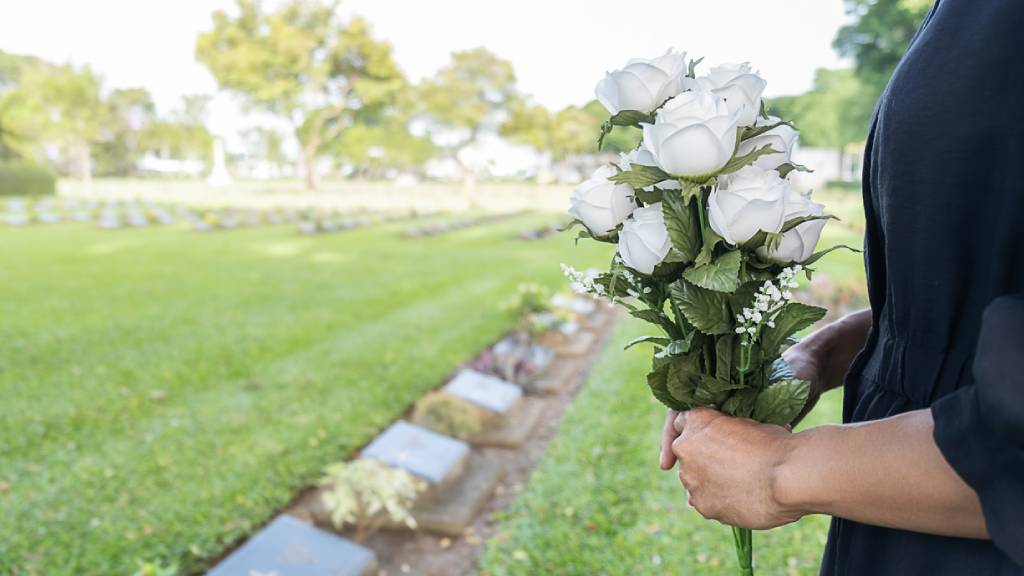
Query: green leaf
point(707, 310)
point(574, 223)
point(657, 380)
point(707, 250)
point(631, 118)
point(640, 176)
point(659, 319)
point(649, 196)
point(721, 275)
point(657, 340)
point(794, 222)
point(747, 159)
point(683, 226)
point(781, 402)
point(712, 391)
point(817, 255)
point(785, 169)
point(741, 403)
point(755, 131)
point(682, 381)
point(679, 347)
point(793, 317)
point(780, 370)
point(723, 357)
point(691, 72)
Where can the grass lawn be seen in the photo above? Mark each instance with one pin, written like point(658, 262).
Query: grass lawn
point(599, 504)
point(163, 392)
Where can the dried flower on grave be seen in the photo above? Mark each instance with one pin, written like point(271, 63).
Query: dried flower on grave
point(366, 493)
point(448, 415)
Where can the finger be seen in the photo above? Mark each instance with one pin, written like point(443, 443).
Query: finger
point(679, 423)
point(695, 420)
point(668, 434)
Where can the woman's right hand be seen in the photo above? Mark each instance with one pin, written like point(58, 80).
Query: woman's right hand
point(824, 357)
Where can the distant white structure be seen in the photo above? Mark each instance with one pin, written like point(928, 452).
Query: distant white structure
point(828, 165)
point(152, 164)
point(490, 156)
point(219, 175)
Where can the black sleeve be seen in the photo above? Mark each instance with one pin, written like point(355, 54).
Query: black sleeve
point(980, 428)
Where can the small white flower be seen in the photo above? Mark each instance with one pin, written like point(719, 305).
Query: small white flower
point(740, 329)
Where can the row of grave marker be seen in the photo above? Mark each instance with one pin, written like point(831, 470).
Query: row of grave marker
point(460, 480)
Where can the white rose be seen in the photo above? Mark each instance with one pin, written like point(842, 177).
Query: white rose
point(600, 203)
point(798, 244)
point(738, 85)
point(693, 134)
point(644, 241)
point(748, 201)
point(781, 138)
point(643, 157)
point(643, 84)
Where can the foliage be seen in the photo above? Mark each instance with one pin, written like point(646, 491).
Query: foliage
point(474, 89)
point(374, 148)
point(448, 415)
point(212, 377)
point(24, 179)
point(366, 493)
point(879, 35)
point(834, 114)
point(565, 133)
point(530, 298)
point(305, 64)
point(597, 503)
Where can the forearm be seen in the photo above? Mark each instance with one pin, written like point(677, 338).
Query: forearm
point(885, 472)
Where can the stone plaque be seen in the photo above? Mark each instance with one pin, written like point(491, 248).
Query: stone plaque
point(489, 392)
point(289, 547)
point(424, 453)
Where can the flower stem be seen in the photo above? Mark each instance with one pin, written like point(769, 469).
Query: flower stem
point(744, 550)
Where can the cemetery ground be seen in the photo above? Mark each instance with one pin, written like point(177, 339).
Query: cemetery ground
point(166, 392)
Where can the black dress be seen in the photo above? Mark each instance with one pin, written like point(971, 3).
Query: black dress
point(944, 200)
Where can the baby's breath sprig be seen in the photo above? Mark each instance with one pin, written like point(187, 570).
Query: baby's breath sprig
point(769, 300)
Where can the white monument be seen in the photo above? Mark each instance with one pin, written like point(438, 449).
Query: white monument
point(219, 175)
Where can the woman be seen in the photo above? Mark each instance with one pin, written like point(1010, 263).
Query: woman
point(927, 474)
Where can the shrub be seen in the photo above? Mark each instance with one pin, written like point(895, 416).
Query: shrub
point(23, 179)
point(448, 415)
point(528, 299)
point(365, 492)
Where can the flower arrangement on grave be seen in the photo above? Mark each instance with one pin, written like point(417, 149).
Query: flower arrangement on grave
point(710, 238)
point(447, 414)
point(366, 493)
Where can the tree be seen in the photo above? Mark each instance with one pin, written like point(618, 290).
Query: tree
point(834, 114)
point(129, 112)
point(470, 94)
point(267, 145)
point(621, 138)
point(67, 107)
point(879, 35)
point(568, 132)
point(303, 63)
point(182, 135)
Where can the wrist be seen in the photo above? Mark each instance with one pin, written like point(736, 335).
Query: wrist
point(796, 477)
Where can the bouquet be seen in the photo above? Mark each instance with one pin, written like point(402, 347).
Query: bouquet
point(711, 238)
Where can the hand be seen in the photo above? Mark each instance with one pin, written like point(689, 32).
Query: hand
point(823, 358)
point(728, 466)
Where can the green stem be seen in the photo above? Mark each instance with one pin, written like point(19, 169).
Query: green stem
point(744, 539)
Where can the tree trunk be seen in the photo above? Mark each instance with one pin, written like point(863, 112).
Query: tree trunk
point(310, 152)
point(82, 158)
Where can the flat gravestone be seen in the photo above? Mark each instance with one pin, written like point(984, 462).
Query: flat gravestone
point(431, 456)
point(514, 431)
point(488, 392)
point(579, 345)
point(289, 547)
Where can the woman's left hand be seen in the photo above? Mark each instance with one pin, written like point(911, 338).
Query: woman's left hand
point(728, 465)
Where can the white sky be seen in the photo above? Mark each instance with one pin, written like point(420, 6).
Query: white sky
point(559, 48)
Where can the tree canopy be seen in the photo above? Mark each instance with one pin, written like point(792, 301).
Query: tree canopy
point(305, 64)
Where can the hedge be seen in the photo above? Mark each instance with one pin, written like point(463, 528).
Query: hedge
point(23, 179)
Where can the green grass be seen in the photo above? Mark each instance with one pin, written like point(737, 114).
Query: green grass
point(599, 504)
point(163, 392)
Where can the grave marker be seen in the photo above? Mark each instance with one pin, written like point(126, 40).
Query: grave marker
point(289, 547)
